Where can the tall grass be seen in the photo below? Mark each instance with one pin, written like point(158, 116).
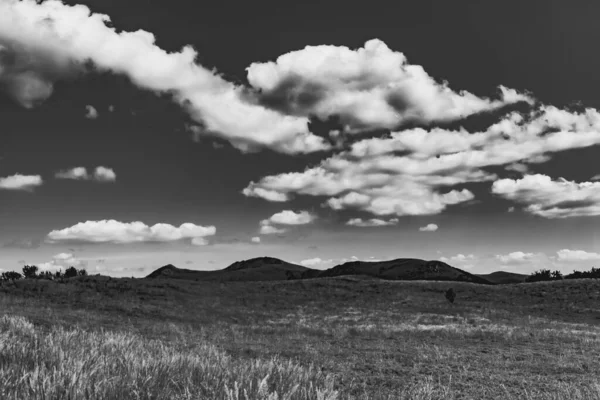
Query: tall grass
point(75, 364)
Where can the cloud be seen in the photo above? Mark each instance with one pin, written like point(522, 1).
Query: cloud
point(103, 174)
point(91, 112)
point(60, 262)
point(517, 257)
point(368, 88)
point(373, 222)
point(549, 198)
point(77, 173)
point(313, 262)
point(20, 182)
point(420, 172)
point(266, 229)
point(429, 228)
point(462, 260)
point(576, 255)
point(42, 43)
point(22, 244)
point(111, 231)
point(255, 239)
point(286, 218)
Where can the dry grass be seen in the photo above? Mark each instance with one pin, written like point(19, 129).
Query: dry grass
point(365, 339)
point(75, 364)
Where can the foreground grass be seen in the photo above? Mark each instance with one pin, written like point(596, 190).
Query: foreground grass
point(361, 338)
point(75, 364)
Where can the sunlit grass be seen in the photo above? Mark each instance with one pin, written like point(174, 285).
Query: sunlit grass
point(75, 364)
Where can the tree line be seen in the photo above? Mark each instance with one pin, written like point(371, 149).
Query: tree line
point(547, 275)
point(33, 272)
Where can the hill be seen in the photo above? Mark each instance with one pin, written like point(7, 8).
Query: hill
point(402, 269)
point(274, 269)
point(503, 277)
point(255, 269)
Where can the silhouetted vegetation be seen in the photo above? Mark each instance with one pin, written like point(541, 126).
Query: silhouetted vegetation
point(594, 273)
point(10, 276)
point(30, 271)
point(450, 295)
point(547, 275)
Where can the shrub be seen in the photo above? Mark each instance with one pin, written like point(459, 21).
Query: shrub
point(70, 272)
point(594, 273)
point(450, 295)
point(10, 276)
point(30, 271)
point(82, 272)
point(544, 275)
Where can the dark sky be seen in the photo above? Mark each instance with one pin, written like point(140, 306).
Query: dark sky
point(166, 174)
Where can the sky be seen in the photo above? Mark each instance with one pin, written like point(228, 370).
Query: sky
point(316, 132)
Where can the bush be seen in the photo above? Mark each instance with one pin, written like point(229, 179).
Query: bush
point(82, 272)
point(544, 275)
point(10, 276)
point(30, 271)
point(71, 272)
point(594, 273)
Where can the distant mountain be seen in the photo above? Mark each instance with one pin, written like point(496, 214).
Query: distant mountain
point(255, 269)
point(503, 277)
point(401, 269)
point(273, 269)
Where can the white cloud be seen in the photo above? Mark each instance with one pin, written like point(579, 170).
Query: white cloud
point(103, 174)
point(286, 218)
point(77, 173)
point(576, 255)
point(551, 199)
point(313, 262)
point(463, 261)
point(199, 241)
point(373, 222)
point(255, 239)
point(20, 182)
point(111, 231)
point(419, 172)
point(91, 112)
point(517, 257)
point(266, 229)
point(429, 228)
point(50, 41)
point(61, 262)
point(370, 87)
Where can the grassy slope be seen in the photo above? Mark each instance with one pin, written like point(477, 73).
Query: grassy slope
point(376, 339)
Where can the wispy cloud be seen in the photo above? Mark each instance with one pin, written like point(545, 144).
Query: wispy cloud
point(429, 228)
point(20, 182)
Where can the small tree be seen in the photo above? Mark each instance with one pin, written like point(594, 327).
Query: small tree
point(557, 275)
point(82, 272)
point(30, 271)
point(58, 274)
point(70, 272)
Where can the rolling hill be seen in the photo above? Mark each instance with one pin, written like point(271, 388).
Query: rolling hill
point(402, 269)
point(274, 269)
point(503, 277)
point(255, 269)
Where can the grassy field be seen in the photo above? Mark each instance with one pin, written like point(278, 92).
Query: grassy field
point(333, 338)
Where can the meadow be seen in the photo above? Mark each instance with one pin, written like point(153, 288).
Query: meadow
point(331, 338)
